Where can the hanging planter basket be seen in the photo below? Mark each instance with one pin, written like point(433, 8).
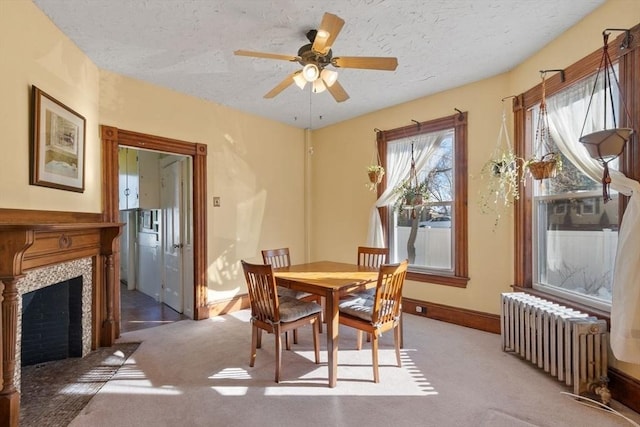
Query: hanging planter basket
point(606, 144)
point(548, 165)
point(543, 169)
point(375, 176)
point(375, 171)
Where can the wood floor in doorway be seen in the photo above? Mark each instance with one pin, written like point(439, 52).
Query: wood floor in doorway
point(140, 311)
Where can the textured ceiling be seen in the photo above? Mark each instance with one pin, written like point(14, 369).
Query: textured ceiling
point(187, 46)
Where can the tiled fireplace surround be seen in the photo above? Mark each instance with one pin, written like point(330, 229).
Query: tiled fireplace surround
point(45, 276)
point(42, 248)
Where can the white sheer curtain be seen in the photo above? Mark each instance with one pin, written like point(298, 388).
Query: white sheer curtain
point(567, 111)
point(398, 165)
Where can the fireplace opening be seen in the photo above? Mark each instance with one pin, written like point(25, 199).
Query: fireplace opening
point(52, 323)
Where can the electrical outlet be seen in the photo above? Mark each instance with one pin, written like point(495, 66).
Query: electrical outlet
point(419, 309)
point(216, 202)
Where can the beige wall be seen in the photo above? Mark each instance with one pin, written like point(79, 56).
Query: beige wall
point(341, 204)
point(255, 165)
point(577, 42)
point(258, 166)
point(34, 52)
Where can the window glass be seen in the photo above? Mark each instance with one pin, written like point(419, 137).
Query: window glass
point(575, 232)
point(423, 233)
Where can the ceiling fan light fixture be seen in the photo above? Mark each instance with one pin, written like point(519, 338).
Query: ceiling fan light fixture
point(318, 86)
point(310, 72)
point(329, 77)
point(299, 80)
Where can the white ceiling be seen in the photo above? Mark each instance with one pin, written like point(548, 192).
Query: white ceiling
point(187, 46)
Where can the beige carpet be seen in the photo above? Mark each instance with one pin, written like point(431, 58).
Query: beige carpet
point(197, 374)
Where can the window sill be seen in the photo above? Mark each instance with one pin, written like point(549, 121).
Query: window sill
point(455, 281)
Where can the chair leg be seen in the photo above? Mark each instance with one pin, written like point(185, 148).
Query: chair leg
point(368, 337)
point(287, 340)
point(259, 339)
point(322, 315)
point(397, 335)
point(255, 333)
point(278, 338)
point(401, 329)
point(295, 337)
point(359, 340)
point(316, 338)
point(374, 356)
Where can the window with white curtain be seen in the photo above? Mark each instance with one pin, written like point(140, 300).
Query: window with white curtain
point(575, 233)
point(433, 236)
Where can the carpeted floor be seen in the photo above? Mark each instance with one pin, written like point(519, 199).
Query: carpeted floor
point(196, 374)
point(53, 393)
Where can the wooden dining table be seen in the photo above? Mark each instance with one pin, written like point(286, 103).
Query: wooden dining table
point(331, 280)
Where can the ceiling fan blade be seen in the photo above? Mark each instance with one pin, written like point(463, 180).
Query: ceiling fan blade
point(329, 29)
point(337, 91)
point(288, 81)
point(366, 62)
point(265, 55)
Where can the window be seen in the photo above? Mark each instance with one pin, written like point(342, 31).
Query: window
point(432, 236)
point(566, 235)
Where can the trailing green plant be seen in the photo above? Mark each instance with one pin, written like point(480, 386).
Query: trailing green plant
point(501, 174)
point(375, 173)
point(411, 193)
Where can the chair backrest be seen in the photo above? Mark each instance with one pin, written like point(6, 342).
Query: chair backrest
point(386, 307)
point(276, 257)
point(263, 296)
point(372, 257)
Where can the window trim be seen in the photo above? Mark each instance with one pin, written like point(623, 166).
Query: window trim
point(628, 60)
point(460, 274)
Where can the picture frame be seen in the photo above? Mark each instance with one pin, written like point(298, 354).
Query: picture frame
point(57, 145)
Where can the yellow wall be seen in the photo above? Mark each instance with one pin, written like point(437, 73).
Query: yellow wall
point(258, 166)
point(577, 42)
point(35, 52)
point(255, 165)
point(341, 204)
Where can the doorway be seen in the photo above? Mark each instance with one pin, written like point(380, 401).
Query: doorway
point(156, 244)
point(112, 139)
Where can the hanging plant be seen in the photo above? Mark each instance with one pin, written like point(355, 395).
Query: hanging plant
point(501, 173)
point(411, 194)
point(608, 143)
point(547, 164)
point(375, 171)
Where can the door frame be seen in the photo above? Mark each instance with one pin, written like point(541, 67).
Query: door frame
point(112, 139)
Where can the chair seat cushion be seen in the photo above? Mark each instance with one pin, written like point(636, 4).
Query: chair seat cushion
point(360, 305)
point(292, 309)
point(286, 292)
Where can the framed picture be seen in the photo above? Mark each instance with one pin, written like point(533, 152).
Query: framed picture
point(58, 142)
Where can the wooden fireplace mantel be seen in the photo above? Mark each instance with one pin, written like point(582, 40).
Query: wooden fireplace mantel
point(28, 240)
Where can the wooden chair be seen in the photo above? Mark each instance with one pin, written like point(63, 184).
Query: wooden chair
point(378, 314)
point(275, 314)
point(375, 257)
point(372, 257)
point(279, 258)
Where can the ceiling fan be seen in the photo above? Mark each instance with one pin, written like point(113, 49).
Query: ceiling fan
point(317, 56)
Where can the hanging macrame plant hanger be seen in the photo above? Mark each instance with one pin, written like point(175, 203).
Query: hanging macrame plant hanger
point(607, 144)
point(545, 166)
point(375, 171)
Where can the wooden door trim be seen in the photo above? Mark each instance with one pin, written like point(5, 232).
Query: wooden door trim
point(112, 139)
